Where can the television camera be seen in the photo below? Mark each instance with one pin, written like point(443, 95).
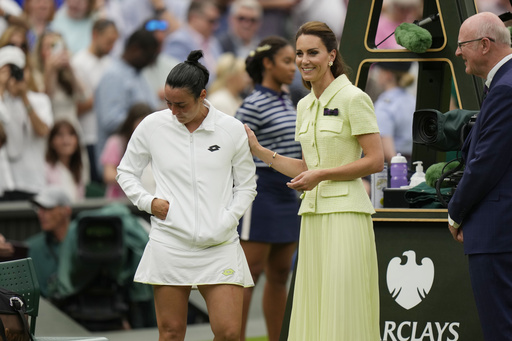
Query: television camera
point(444, 132)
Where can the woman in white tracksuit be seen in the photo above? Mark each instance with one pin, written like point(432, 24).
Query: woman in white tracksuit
point(205, 180)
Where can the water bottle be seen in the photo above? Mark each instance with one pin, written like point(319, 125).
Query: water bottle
point(398, 171)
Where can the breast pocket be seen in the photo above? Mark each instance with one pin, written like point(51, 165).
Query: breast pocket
point(330, 126)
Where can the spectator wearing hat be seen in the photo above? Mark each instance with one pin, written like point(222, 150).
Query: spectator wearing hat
point(53, 208)
point(394, 108)
point(27, 119)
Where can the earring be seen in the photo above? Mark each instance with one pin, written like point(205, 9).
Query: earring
point(330, 63)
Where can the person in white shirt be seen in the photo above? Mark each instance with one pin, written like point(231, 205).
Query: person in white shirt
point(89, 65)
point(29, 120)
point(10, 13)
point(205, 180)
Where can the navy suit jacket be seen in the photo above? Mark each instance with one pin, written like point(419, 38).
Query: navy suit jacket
point(482, 201)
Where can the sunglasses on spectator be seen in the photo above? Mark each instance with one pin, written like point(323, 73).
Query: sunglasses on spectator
point(156, 25)
point(251, 20)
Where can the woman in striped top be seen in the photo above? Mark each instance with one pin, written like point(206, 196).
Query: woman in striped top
point(270, 228)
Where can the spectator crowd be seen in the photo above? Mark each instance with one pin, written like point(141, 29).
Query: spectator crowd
point(73, 70)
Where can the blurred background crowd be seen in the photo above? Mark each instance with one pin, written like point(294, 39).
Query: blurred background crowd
point(91, 69)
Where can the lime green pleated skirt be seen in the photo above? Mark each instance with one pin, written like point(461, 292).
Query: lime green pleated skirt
point(336, 294)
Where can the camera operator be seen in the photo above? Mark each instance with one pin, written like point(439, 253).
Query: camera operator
point(479, 211)
point(28, 117)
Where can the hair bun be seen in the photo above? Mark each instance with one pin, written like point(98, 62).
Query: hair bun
point(194, 56)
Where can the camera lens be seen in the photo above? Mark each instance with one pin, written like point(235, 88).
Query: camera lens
point(16, 72)
point(425, 127)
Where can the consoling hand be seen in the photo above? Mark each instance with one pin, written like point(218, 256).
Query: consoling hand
point(305, 181)
point(253, 141)
point(159, 208)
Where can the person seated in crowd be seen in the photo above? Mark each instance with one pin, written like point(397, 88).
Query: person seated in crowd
point(243, 24)
point(29, 119)
point(115, 148)
point(232, 81)
point(53, 208)
point(64, 164)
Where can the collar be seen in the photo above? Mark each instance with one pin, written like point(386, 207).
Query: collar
point(339, 83)
point(266, 90)
point(495, 69)
point(209, 121)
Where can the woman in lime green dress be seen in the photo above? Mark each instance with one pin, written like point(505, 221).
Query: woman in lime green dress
point(336, 293)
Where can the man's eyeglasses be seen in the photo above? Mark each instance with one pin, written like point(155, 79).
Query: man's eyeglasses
point(251, 20)
point(462, 43)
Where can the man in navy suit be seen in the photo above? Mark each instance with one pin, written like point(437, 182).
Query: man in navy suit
point(480, 211)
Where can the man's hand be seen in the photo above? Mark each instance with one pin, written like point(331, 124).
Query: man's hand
point(159, 208)
point(456, 233)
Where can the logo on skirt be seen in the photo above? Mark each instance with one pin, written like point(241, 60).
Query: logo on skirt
point(228, 272)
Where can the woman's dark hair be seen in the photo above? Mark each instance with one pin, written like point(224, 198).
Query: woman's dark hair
point(75, 162)
point(328, 38)
point(136, 112)
point(267, 48)
point(190, 74)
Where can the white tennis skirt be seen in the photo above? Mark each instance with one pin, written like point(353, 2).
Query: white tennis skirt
point(222, 264)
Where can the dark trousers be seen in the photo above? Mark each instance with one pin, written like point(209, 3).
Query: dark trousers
point(94, 173)
point(491, 279)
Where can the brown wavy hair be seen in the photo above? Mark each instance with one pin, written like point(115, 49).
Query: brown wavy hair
point(75, 163)
point(328, 38)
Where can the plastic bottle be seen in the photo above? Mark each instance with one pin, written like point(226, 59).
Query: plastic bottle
point(398, 171)
point(419, 176)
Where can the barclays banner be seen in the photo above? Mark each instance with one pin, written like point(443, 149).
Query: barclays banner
point(425, 291)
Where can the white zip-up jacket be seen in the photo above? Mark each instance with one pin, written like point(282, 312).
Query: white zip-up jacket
point(208, 177)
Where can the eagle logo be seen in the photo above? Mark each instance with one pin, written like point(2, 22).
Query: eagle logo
point(409, 283)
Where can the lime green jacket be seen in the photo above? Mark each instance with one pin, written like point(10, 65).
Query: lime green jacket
point(327, 128)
